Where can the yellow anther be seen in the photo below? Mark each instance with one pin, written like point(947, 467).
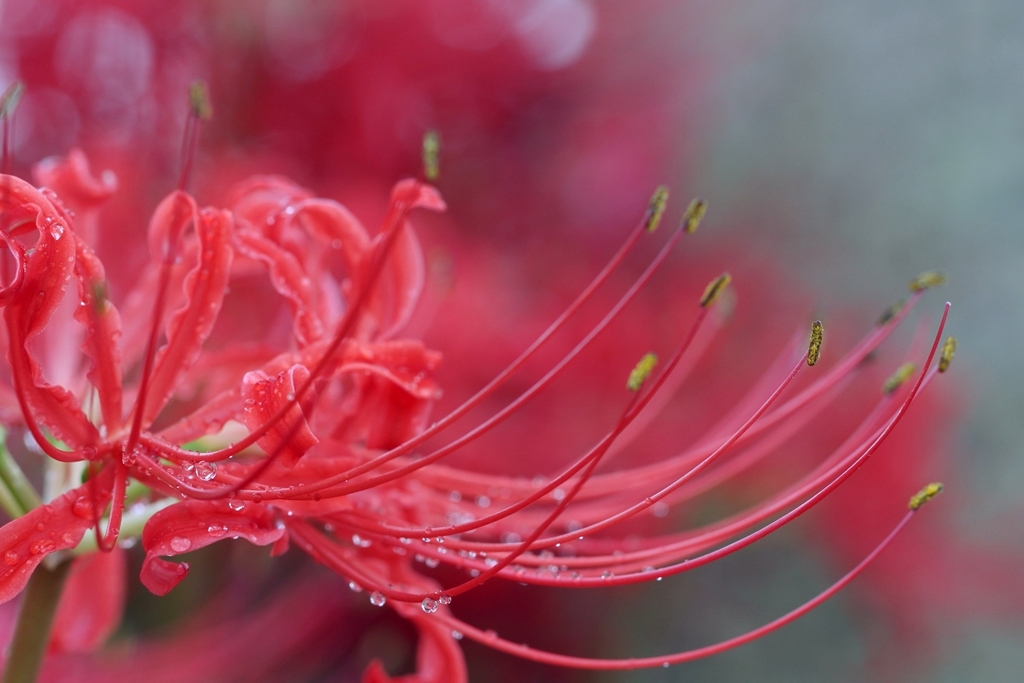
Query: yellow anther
point(199, 100)
point(715, 289)
point(693, 215)
point(924, 495)
point(641, 372)
point(927, 280)
point(814, 348)
point(890, 313)
point(431, 154)
point(897, 378)
point(656, 208)
point(948, 350)
point(9, 100)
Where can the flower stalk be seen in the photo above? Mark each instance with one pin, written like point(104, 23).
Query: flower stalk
point(35, 619)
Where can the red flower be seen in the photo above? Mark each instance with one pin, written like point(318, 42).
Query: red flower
point(336, 409)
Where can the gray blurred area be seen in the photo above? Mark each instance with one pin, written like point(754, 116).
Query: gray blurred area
point(884, 139)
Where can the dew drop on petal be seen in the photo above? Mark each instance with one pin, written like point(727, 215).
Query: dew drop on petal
point(235, 504)
point(377, 599)
point(432, 562)
point(180, 545)
point(42, 547)
point(429, 605)
point(206, 470)
point(216, 530)
point(11, 558)
point(355, 587)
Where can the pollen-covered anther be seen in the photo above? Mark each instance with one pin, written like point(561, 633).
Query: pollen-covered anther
point(641, 372)
point(897, 378)
point(924, 495)
point(890, 313)
point(656, 208)
point(693, 215)
point(431, 154)
point(927, 280)
point(199, 101)
point(9, 100)
point(814, 347)
point(715, 289)
point(948, 351)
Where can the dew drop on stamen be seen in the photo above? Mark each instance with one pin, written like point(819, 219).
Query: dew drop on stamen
point(444, 599)
point(206, 470)
point(377, 599)
point(355, 587)
point(429, 605)
point(180, 545)
point(456, 635)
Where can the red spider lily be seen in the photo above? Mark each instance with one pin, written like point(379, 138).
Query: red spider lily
point(336, 411)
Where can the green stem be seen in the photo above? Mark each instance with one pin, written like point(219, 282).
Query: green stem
point(35, 618)
point(17, 483)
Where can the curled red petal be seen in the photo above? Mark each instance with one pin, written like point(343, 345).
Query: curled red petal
point(289, 279)
point(79, 190)
point(47, 272)
point(59, 525)
point(169, 223)
point(193, 524)
point(92, 602)
point(102, 324)
point(189, 326)
point(263, 396)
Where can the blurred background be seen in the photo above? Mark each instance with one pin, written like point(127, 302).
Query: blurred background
point(844, 147)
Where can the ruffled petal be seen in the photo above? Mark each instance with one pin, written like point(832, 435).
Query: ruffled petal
point(263, 396)
point(190, 325)
point(438, 657)
point(81, 191)
point(195, 524)
point(92, 603)
point(59, 525)
point(102, 325)
point(289, 279)
point(47, 271)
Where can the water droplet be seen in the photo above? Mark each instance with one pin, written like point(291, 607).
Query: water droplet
point(128, 458)
point(432, 562)
point(445, 599)
point(659, 509)
point(558, 495)
point(11, 558)
point(180, 545)
point(455, 496)
point(361, 542)
point(42, 547)
point(377, 599)
point(188, 466)
point(355, 587)
point(456, 635)
point(83, 507)
point(483, 501)
point(429, 605)
point(216, 530)
point(257, 498)
point(235, 504)
point(206, 470)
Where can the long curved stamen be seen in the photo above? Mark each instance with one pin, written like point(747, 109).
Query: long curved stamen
point(492, 640)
